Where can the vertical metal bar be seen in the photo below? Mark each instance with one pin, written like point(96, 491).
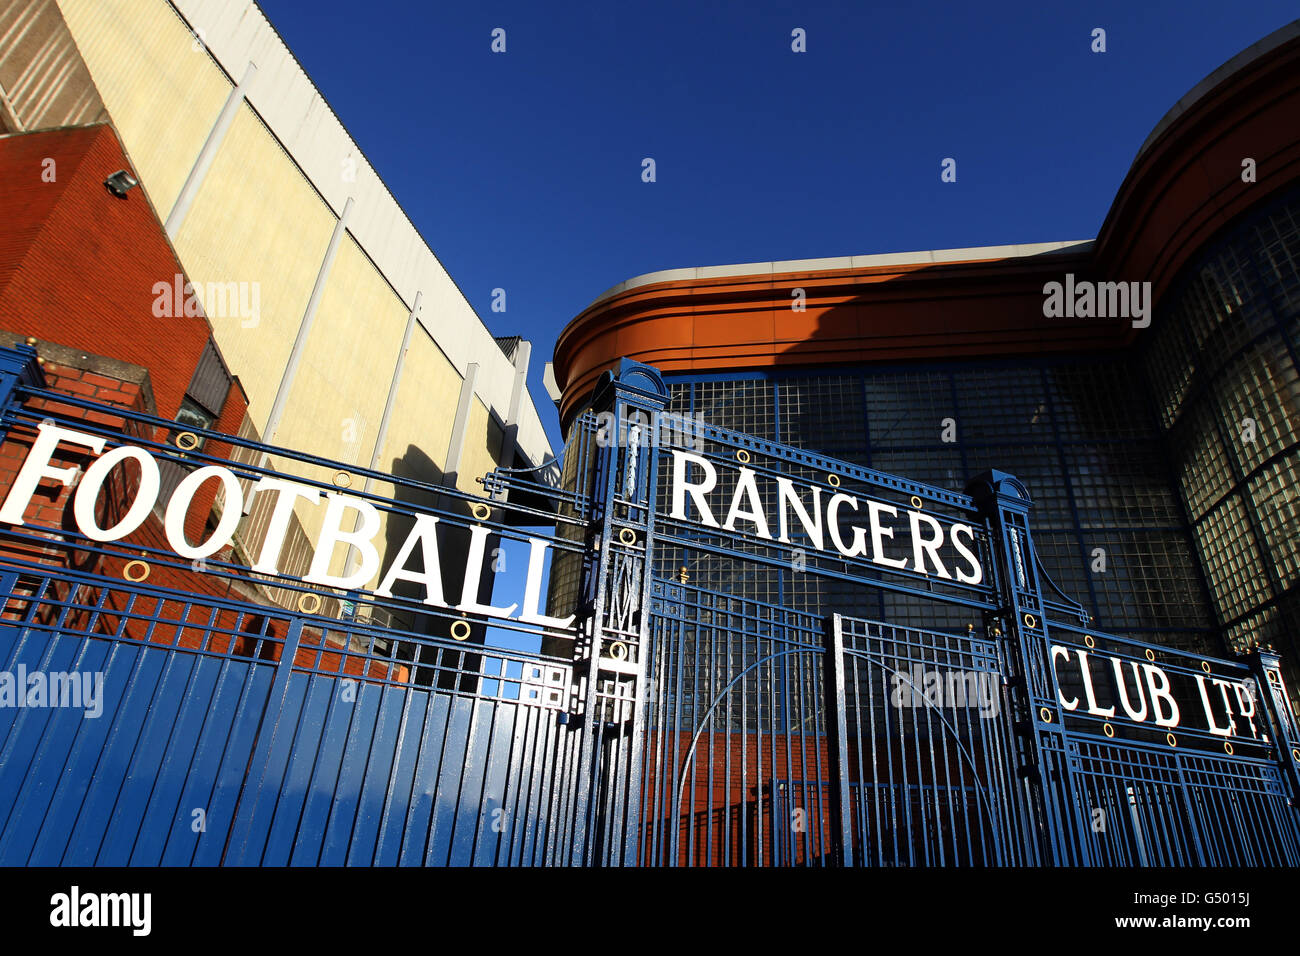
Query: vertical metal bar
point(207, 153)
point(698, 704)
point(745, 829)
point(640, 717)
point(712, 732)
point(787, 738)
point(729, 837)
point(259, 764)
point(384, 420)
point(510, 441)
point(837, 733)
point(304, 329)
point(460, 425)
point(675, 821)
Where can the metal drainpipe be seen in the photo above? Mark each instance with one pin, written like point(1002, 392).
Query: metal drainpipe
point(185, 198)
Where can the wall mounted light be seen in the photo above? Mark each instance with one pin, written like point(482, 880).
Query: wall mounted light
point(120, 182)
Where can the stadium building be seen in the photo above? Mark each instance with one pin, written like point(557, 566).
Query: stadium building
point(935, 564)
point(1159, 438)
point(281, 240)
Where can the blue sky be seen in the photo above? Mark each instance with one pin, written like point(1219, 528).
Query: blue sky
point(523, 169)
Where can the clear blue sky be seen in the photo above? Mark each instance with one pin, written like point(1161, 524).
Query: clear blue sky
point(523, 169)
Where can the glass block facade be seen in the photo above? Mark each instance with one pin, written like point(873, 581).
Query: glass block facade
point(1166, 479)
point(1222, 372)
point(1108, 523)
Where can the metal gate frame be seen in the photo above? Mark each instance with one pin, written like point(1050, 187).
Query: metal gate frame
point(607, 746)
point(322, 730)
point(1046, 763)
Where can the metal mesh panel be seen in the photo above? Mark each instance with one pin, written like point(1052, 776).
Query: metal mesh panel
point(908, 409)
point(825, 414)
point(1275, 492)
point(929, 762)
point(1075, 434)
point(745, 405)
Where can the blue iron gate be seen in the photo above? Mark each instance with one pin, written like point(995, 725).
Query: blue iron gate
point(688, 691)
point(249, 746)
point(233, 735)
point(785, 725)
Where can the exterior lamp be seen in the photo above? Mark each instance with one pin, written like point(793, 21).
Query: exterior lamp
point(119, 182)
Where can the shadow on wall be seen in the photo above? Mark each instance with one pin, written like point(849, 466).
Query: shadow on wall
point(435, 667)
point(912, 328)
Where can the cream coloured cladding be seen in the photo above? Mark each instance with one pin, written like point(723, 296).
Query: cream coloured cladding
point(417, 434)
point(257, 220)
point(337, 397)
point(422, 415)
point(164, 90)
point(160, 88)
point(482, 449)
point(236, 33)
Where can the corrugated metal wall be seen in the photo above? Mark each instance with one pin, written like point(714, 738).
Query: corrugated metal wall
point(43, 80)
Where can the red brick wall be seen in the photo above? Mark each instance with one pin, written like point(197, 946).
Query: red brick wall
point(78, 265)
point(735, 810)
point(228, 631)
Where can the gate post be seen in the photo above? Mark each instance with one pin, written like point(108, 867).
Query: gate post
point(837, 730)
point(1265, 664)
point(1046, 764)
point(614, 594)
point(18, 366)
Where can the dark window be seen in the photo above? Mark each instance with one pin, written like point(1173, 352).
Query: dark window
point(191, 416)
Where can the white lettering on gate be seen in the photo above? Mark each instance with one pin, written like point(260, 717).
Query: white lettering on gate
point(179, 506)
point(812, 523)
point(425, 534)
point(695, 476)
point(37, 468)
point(332, 533)
point(286, 491)
point(748, 486)
point(681, 487)
point(923, 546)
point(1118, 666)
point(1159, 694)
point(1058, 651)
point(533, 589)
point(1088, 690)
point(879, 532)
point(1155, 695)
point(976, 575)
point(473, 571)
point(833, 523)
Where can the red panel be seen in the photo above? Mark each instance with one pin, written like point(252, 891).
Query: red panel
point(78, 265)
